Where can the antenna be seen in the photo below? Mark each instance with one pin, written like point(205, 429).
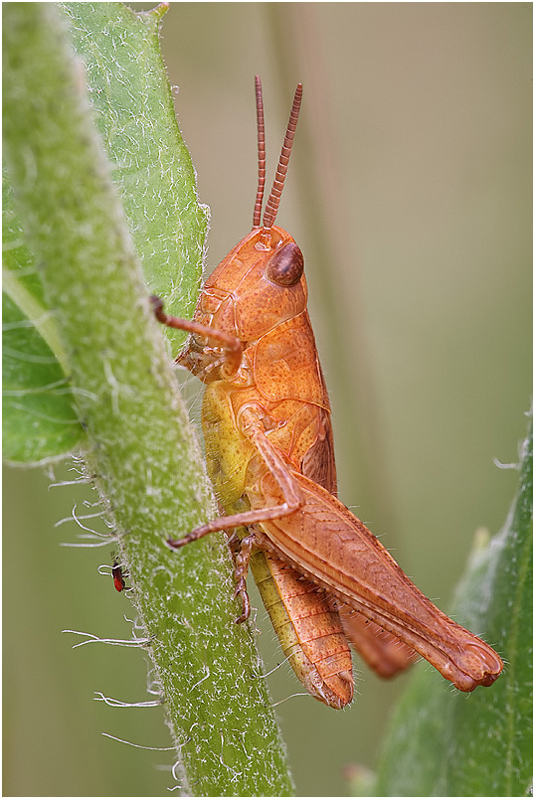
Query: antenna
point(272, 203)
point(261, 154)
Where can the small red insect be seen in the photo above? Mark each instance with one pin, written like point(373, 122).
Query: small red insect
point(117, 574)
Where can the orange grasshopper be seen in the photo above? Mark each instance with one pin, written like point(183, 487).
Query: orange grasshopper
point(324, 578)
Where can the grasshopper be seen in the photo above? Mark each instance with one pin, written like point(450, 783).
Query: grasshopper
point(325, 579)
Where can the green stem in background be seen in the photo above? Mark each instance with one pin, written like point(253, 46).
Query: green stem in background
point(138, 438)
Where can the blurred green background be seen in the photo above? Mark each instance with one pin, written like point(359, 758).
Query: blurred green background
point(410, 194)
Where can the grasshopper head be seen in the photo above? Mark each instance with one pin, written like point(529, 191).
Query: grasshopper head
point(259, 285)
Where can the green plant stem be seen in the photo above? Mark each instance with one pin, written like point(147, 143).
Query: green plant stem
point(138, 436)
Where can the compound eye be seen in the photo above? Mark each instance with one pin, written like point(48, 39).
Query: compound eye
point(286, 266)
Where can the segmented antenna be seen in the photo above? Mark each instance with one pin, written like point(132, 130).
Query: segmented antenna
point(272, 203)
point(261, 151)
